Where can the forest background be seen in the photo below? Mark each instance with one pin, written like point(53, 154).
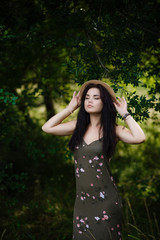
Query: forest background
point(47, 50)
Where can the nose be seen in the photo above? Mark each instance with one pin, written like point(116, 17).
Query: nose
point(90, 100)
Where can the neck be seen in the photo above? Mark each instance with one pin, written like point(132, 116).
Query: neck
point(95, 120)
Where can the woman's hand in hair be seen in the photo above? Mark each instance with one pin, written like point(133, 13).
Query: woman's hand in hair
point(75, 102)
point(121, 106)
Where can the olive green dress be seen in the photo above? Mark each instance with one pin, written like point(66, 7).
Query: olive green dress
point(98, 205)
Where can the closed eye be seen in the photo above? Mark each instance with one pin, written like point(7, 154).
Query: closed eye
point(94, 98)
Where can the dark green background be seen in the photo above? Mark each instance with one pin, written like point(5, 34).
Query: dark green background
point(47, 50)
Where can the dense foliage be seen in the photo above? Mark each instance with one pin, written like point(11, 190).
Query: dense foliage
point(47, 49)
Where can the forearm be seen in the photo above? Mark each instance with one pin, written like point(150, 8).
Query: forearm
point(57, 119)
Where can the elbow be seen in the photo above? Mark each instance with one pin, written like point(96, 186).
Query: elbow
point(47, 130)
point(43, 128)
point(142, 139)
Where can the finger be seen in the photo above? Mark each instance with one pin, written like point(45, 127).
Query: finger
point(120, 98)
point(118, 101)
point(124, 100)
point(74, 93)
point(78, 94)
point(117, 104)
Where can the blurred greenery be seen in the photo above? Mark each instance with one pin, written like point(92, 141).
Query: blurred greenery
point(48, 49)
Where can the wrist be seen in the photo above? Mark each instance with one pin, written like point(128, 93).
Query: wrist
point(70, 110)
point(129, 116)
point(126, 115)
point(123, 114)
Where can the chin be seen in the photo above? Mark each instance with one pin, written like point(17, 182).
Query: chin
point(92, 111)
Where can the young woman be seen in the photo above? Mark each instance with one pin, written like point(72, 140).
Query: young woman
point(98, 205)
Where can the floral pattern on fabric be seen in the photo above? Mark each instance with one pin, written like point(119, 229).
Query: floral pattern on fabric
point(97, 209)
point(102, 217)
point(82, 223)
point(99, 196)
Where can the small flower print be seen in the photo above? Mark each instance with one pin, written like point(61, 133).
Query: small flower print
point(82, 223)
point(79, 169)
point(112, 229)
point(75, 161)
point(103, 217)
point(118, 225)
point(106, 217)
point(84, 156)
point(96, 158)
point(93, 197)
point(116, 203)
point(82, 170)
point(77, 147)
point(100, 164)
point(102, 156)
point(97, 218)
point(84, 195)
point(119, 233)
point(81, 220)
point(104, 212)
point(91, 184)
point(111, 178)
point(96, 165)
point(101, 195)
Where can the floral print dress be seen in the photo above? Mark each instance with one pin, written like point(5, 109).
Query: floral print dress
point(98, 205)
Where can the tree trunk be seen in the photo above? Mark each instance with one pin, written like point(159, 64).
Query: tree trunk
point(49, 104)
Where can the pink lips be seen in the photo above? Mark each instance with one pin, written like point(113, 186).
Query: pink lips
point(89, 106)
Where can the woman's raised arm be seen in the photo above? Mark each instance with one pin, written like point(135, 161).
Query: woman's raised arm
point(135, 134)
point(54, 125)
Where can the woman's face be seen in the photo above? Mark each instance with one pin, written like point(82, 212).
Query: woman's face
point(93, 102)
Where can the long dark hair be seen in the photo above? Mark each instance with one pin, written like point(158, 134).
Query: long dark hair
point(107, 121)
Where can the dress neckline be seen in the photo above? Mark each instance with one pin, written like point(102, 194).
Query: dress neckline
point(92, 141)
